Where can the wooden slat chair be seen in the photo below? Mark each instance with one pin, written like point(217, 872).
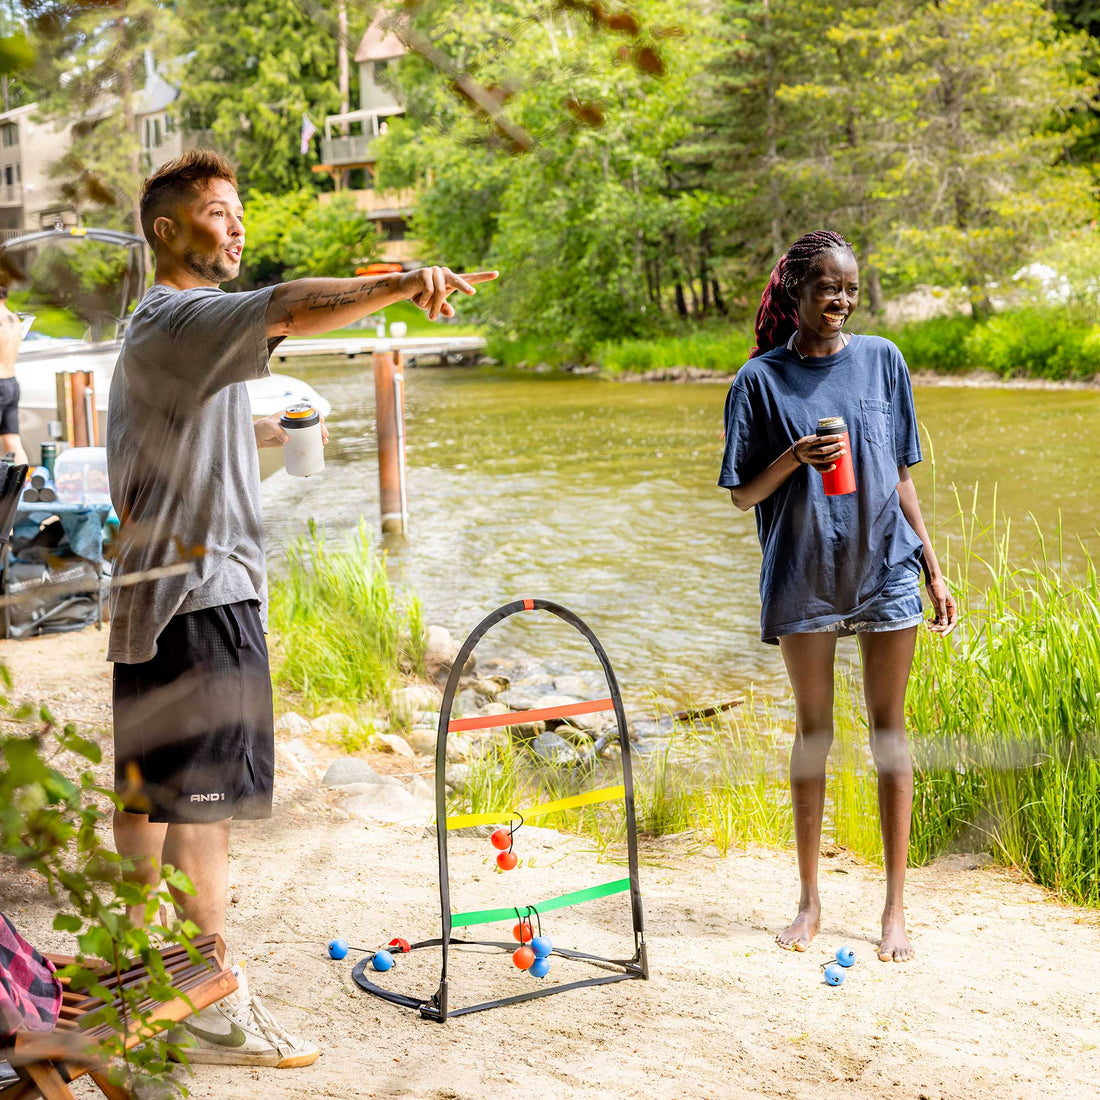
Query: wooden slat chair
point(48, 1061)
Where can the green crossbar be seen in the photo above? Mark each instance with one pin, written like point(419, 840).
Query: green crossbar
point(488, 916)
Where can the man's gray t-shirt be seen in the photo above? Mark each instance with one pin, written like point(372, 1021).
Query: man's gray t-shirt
point(182, 461)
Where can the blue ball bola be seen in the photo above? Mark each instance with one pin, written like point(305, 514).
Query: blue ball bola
point(337, 949)
point(834, 975)
point(382, 960)
point(845, 956)
point(540, 967)
point(541, 946)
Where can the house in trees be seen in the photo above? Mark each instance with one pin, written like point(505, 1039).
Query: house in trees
point(30, 198)
point(348, 144)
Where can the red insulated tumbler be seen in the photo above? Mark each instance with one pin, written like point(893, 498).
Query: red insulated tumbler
point(842, 478)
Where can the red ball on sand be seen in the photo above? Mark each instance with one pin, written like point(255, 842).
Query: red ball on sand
point(522, 932)
point(523, 957)
point(501, 839)
point(507, 860)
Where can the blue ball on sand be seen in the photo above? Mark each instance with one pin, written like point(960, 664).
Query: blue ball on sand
point(541, 946)
point(540, 967)
point(845, 956)
point(337, 949)
point(833, 974)
point(382, 960)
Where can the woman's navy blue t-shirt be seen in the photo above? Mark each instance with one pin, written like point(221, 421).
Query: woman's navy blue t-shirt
point(824, 557)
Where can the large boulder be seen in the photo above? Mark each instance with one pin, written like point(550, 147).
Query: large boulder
point(414, 698)
point(553, 749)
point(440, 651)
point(333, 724)
point(423, 739)
point(394, 742)
point(292, 725)
point(349, 769)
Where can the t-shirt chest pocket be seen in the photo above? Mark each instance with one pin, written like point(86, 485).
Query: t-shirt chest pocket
point(877, 425)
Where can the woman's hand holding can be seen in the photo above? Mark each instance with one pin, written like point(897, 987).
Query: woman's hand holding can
point(822, 452)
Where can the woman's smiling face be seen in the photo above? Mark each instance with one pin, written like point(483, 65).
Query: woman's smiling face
point(829, 296)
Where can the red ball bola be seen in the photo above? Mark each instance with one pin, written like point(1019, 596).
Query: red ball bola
point(501, 839)
point(507, 860)
point(523, 932)
point(523, 957)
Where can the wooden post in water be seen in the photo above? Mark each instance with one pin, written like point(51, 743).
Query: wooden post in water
point(389, 414)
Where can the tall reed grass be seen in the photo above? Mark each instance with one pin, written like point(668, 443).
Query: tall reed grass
point(342, 634)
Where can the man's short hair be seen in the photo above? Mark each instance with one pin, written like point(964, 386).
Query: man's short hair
point(178, 180)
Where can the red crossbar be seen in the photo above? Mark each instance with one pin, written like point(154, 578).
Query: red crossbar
point(522, 717)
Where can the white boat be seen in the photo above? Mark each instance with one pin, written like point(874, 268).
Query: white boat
point(41, 358)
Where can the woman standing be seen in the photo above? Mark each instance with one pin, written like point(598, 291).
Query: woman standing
point(835, 565)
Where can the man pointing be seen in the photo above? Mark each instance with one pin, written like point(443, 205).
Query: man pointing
point(194, 740)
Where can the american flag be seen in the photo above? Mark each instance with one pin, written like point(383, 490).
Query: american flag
point(308, 130)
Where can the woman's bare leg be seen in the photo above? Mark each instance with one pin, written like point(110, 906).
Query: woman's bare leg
point(887, 658)
point(809, 661)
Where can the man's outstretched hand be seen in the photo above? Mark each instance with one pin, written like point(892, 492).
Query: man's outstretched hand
point(428, 288)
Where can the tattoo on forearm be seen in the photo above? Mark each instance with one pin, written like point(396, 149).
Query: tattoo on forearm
point(328, 301)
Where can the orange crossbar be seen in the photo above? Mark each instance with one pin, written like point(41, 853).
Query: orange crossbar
point(522, 717)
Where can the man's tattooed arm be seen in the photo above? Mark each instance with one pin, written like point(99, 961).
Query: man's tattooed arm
point(307, 307)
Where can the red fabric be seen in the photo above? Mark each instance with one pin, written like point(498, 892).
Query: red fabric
point(30, 995)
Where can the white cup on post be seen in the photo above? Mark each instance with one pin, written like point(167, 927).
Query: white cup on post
point(303, 452)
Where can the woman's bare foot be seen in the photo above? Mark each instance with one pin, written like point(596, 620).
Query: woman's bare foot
point(801, 931)
point(895, 945)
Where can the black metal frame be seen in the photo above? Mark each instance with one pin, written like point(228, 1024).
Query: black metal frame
point(436, 1006)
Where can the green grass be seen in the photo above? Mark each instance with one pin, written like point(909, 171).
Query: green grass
point(342, 636)
point(48, 320)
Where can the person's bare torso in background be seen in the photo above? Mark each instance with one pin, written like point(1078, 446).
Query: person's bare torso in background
point(11, 335)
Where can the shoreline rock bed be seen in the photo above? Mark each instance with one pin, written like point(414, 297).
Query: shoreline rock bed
point(404, 792)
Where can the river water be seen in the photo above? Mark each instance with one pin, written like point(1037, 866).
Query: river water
point(602, 497)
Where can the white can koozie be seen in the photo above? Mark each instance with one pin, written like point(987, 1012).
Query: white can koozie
point(303, 452)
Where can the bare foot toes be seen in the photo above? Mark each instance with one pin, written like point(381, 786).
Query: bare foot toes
point(800, 933)
point(895, 945)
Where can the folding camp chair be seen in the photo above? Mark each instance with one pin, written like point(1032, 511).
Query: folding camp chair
point(48, 1061)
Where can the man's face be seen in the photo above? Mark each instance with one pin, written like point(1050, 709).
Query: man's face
point(209, 236)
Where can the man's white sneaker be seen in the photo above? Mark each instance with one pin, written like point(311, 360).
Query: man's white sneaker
point(239, 1030)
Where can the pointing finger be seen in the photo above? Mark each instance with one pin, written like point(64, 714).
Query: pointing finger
point(479, 276)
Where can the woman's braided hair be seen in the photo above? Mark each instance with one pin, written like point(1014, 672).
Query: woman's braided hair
point(777, 317)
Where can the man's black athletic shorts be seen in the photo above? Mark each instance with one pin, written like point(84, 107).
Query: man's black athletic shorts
point(9, 406)
point(194, 730)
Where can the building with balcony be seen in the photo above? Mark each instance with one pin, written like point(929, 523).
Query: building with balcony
point(348, 144)
point(29, 198)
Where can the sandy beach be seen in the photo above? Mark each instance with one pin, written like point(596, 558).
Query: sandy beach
point(999, 1003)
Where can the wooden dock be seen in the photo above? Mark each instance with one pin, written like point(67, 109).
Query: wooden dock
point(411, 347)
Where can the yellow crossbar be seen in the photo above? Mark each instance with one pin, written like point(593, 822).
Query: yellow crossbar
point(607, 794)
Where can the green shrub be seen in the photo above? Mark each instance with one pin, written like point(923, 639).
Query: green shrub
point(939, 343)
point(1037, 342)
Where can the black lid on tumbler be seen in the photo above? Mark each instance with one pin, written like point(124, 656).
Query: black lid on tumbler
point(831, 425)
